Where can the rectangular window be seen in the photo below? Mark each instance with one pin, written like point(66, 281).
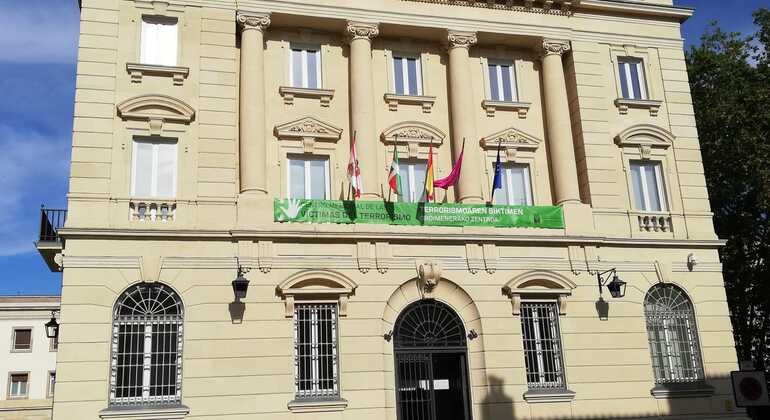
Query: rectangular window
point(517, 187)
point(412, 174)
point(154, 168)
point(407, 75)
point(18, 385)
point(502, 82)
point(632, 78)
point(308, 177)
point(316, 370)
point(647, 181)
point(159, 41)
point(22, 339)
point(542, 345)
point(305, 67)
point(51, 383)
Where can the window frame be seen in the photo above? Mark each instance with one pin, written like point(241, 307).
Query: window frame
point(319, 66)
point(141, 37)
point(558, 362)
point(508, 182)
point(10, 385)
point(645, 193)
point(154, 175)
point(405, 56)
point(50, 388)
point(315, 368)
point(512, 77)
point(409, 164)
point(307, 158)
point(31, 339)
point(624, 64)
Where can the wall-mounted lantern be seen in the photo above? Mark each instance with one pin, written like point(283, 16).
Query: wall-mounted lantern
point(616, 287)
point(52, 327)
point(241, 284)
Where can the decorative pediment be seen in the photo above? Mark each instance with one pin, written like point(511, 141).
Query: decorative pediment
point(413, 134)
point(645, 137)
point(156, 110)
point(308, 130)
point(511, 140)
point(539, 283)
point(316, 285)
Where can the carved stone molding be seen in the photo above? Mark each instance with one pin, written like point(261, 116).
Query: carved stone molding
point(461, 39)
point(491, 106)
point(555, 47)
point(256, 21)
point(511, 140)
point(362, 30)
point(137, 71)
point(538, 284)
point(365, 254)
point(308, 130)
point(316, 285)
point(414, 134)
point(156, 110)
point(645, 137)
point(288, 93)
point(428, 276)
point(624, 105)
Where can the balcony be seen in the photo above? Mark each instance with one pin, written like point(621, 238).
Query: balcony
point(50, 243)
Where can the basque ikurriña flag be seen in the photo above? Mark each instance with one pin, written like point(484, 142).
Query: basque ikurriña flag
point(394, 175)
point(354, 171)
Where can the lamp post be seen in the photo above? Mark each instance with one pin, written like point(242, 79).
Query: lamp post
point(616, 287)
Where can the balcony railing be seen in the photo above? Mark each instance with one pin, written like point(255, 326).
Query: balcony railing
point(50, 222)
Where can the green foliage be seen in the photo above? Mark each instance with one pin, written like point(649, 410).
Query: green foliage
point(730, 81)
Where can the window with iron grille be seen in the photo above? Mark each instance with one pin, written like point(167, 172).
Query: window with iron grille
point(147, 327)
point(316, 370)
point(542, 345)
point(673, 336)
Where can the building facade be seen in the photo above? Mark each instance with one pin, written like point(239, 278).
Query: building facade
point(218, 264)
point(28, 365)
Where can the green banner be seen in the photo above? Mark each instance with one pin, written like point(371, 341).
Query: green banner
point(416, 214)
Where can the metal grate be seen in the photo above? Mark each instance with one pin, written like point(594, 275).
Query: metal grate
point(429, 324)
point(542, 345)
point(415, 391)
point(316, 371)
point(147, 347)
point(672, 335)
point(50, 222)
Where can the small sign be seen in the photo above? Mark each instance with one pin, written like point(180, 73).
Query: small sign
point(750, 388)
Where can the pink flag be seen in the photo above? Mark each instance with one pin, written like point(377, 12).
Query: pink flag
point(453, 176)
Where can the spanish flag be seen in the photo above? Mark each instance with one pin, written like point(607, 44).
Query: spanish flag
point(429, 175)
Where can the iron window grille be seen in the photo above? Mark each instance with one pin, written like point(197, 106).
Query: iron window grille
point(147, 334)
point(672, 335)
point(316, 365)
point(542, 345)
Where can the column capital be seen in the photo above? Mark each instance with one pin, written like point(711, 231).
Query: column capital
point(461, 39)
point(555, 47)
point(258, 21)
point(362, 30)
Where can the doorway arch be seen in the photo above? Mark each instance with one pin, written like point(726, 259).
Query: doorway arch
point(431, 363)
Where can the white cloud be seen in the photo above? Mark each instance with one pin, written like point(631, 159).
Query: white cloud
point(39, 31)
point(33, 170)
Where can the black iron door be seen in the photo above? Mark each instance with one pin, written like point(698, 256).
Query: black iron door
point(431, 365)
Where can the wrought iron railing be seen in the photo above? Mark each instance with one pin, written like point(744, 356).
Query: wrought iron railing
point(51, 220)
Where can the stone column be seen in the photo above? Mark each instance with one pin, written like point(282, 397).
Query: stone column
point(253, 145)
point(362, 119)
point(558, 124)
point(463, 114)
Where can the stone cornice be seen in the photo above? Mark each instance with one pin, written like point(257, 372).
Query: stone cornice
point(258, 21)
point(461, 39)
point(362, 30)
point(555, 47)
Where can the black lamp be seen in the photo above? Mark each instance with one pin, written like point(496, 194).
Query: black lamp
point(240, 284)
point(52, 327)
point(616, 287)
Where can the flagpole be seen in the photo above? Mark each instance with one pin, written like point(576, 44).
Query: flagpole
point(351, 190)
point(494, 175)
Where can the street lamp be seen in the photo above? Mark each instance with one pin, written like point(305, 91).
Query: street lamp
point(52, 327)
point(616, 287)
point(241, 283)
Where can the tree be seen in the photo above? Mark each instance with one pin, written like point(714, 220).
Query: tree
point(730, 82)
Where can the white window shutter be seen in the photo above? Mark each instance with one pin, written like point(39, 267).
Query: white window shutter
point(142, 177)
point(166, 172)
point(168, 44)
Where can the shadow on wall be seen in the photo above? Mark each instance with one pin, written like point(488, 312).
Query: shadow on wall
point(497, 405)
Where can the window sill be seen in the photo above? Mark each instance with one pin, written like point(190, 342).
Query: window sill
point(394, 100)
point(289, 93)
point(491, 106)
point(534, 396)
point(317, 405)
point(624, 104)
point(137, 72)
point(173, 412)
point(682, 390)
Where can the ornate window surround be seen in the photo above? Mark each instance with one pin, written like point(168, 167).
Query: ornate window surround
point(138, 70)
point(413, 138)
point(651, 76)
point(647, 142)
point(157, 111)
point(409, 48)
point(517, 147)
point(502, 53)
point(316, 286)
point(539, 286)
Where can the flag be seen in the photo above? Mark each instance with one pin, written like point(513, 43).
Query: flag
point(454, 176)
point(429, 175)
point(497, 182)
point(354, 171)
point(394, 175)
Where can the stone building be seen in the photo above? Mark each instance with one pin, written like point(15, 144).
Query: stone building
point(216, 264)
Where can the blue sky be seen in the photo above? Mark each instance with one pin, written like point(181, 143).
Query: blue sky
point(38, 44)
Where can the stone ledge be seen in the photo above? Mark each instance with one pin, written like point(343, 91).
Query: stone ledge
point(137, 71)
point(172, 412)
point(624, 104)
point(491, 106)
point(534, 396)
point(682, 390)
point(316, 406)
point(289, 93)
point(394, 100)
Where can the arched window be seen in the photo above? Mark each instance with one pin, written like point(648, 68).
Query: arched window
point(672, 335)
point(147, 331)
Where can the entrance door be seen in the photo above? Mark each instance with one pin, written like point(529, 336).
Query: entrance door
point(431, 367)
